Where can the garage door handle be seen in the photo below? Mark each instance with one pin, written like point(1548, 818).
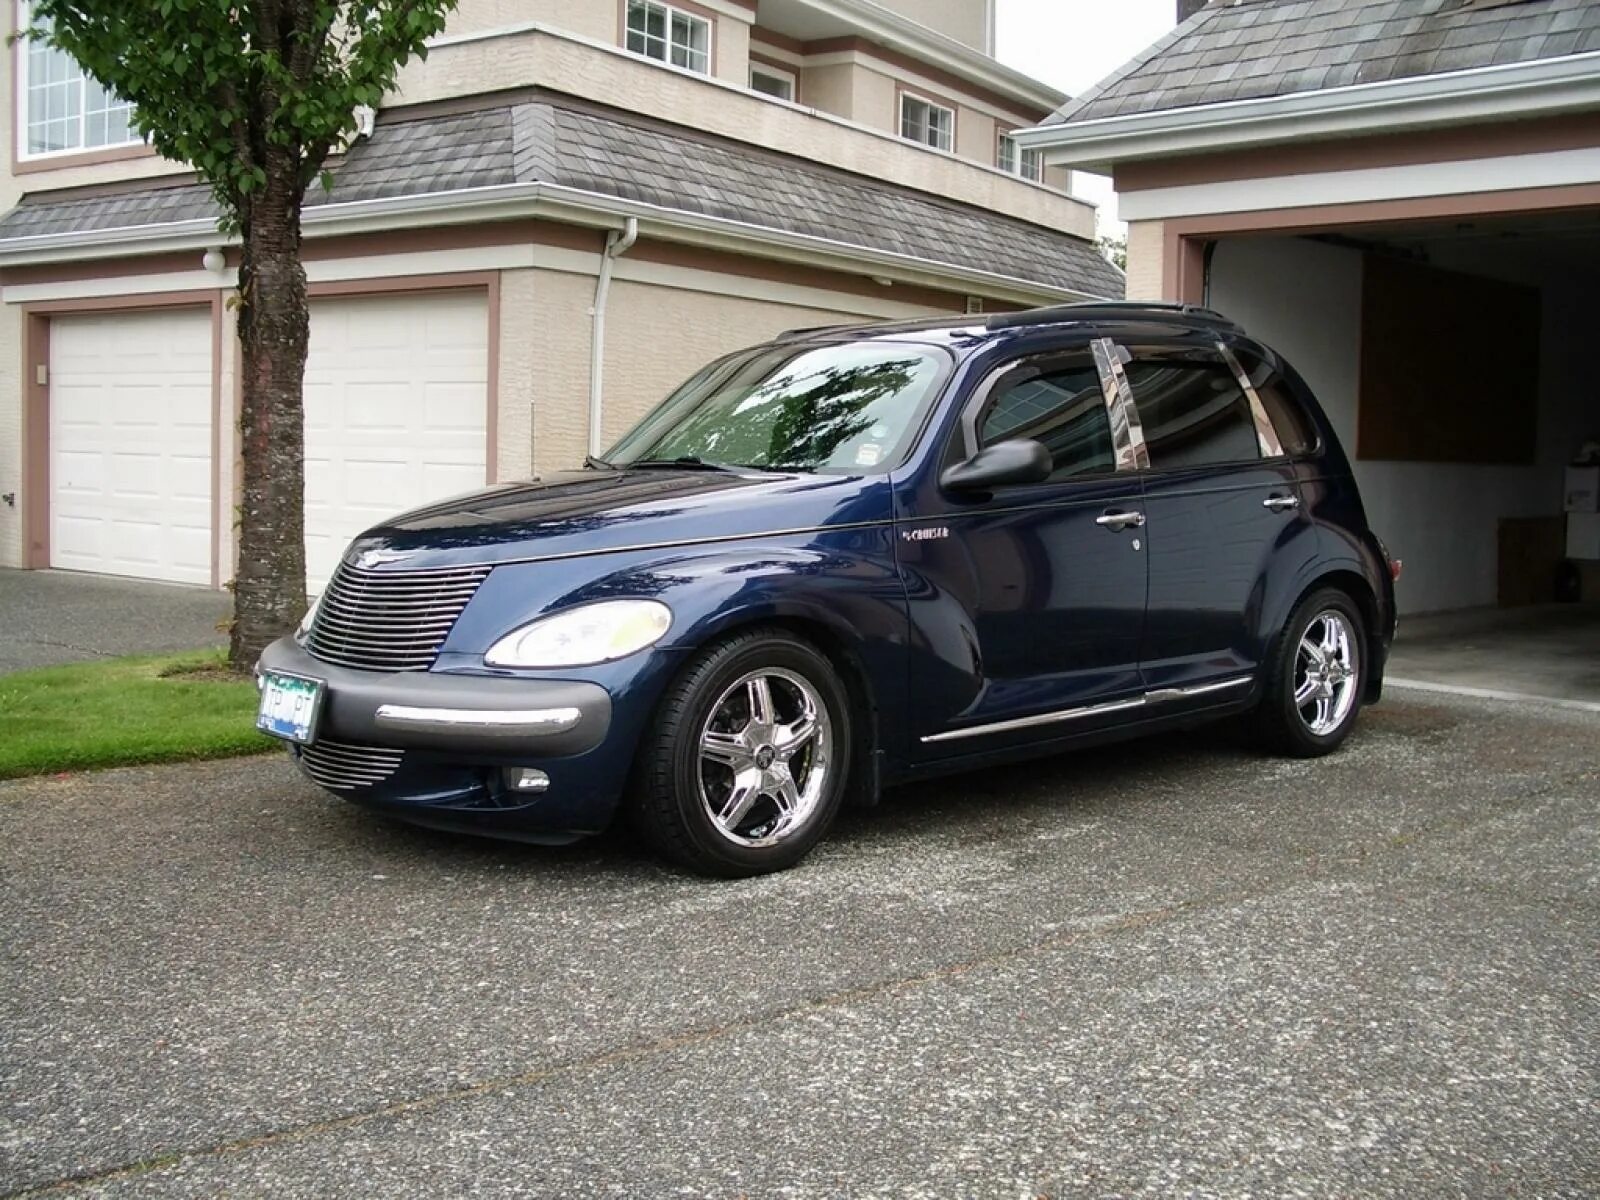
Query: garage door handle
point(1120, 520)
point(1281, 503)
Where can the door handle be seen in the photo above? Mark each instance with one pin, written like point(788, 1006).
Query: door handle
point(1281, 503)
point(1120, 520)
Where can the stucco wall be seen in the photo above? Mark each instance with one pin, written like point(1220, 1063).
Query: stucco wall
point(1304, 299)
point(1145, 261)
point(965, 20)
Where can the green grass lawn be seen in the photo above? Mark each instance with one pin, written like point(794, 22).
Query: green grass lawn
point(123, 711)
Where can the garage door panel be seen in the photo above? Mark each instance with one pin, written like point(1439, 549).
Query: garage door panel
point(396, 410)
point(130, 438)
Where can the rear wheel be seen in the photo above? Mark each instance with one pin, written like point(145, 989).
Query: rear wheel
point(745, 767)
point(1315, 677)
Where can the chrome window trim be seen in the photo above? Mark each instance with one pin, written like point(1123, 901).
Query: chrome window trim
point(1156, 696)
point(1127, 431)
point(1266, 434)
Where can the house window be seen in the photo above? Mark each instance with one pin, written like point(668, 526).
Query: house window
point(926, 122)
point(669, 35)
point(1017, 161)
point(772, 81)
point(63, 109)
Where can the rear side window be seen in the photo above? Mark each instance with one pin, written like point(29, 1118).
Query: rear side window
point(1058, 402)
point(1295, 432)
point(1194, 411)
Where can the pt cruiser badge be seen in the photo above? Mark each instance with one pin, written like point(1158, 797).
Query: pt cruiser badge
point(721, 629)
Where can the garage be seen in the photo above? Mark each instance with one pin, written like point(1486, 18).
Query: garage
point(130, 444)
point(1453, 359)
point(1403, 197)
point(396, 408)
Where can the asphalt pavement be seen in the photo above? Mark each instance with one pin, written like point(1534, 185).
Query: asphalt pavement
point(1165, 968)
point(56, 617)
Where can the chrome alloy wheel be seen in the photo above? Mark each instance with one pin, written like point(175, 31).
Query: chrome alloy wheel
point(765, 756)
point(1325, 670)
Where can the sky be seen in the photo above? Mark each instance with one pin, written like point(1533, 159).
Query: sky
point(1072, 45)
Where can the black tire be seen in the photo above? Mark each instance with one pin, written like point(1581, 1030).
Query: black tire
point(666, 804)
point(1280, 724)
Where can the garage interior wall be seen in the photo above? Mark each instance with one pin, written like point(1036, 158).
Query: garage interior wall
point(1304, 299)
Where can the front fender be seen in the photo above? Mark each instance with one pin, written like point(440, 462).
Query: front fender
point(841, 583)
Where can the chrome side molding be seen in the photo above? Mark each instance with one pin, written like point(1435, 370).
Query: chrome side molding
point(1157, 696)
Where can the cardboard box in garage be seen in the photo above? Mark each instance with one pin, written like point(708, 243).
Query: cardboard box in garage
point(1583, 535)
point(1583, 489)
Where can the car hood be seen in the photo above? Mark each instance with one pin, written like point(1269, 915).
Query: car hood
point(601, 511)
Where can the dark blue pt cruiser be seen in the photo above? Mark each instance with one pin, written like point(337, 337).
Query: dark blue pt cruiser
point(851, 558)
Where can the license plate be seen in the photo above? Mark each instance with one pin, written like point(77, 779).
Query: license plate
point(289, 706)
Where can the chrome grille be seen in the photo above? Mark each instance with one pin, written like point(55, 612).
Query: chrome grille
point(390, 620)
point(345, 766)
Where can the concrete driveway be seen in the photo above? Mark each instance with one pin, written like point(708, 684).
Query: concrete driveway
point(1165, 968)
point(54, 617)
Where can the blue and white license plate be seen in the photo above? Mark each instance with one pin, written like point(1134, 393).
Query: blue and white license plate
point(289, 706)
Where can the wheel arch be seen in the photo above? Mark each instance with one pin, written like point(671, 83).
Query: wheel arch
point(1355, 585)
point(840, 645)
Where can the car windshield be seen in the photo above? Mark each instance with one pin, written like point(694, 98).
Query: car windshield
point(846, 408)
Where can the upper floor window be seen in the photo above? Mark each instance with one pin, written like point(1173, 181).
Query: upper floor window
point(670, 35)
point(1014, 159)
point(772, 81)
point(63, 110)
point(926, 122)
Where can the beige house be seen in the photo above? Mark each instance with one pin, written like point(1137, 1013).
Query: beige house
point(1402, 196)
point(561, 213)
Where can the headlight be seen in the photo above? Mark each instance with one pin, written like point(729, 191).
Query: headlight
point(304, 627)
point(581, 637)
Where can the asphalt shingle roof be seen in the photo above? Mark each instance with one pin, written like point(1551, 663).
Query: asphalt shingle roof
point(613, 155)
point(1259, 48)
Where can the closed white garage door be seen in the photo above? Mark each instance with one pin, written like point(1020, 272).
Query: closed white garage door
point(396, 411)
point(130, 444)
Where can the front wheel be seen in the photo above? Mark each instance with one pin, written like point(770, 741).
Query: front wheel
point(1315, 677)
point(745, 767)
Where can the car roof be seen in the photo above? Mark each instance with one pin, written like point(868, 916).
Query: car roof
point(977, 326)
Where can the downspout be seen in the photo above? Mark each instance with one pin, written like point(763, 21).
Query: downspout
point(618, 243)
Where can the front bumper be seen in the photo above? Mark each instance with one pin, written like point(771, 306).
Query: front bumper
point(472, 714)
point(440, 749)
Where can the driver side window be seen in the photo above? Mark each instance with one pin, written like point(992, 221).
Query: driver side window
point(1058, 402)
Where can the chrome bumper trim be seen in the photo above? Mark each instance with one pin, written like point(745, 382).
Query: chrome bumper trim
point(1158, 696)
point(508, 722)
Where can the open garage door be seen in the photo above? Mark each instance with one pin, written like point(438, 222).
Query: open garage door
point(1455, 361)
point(396, 411)
point(130, 444)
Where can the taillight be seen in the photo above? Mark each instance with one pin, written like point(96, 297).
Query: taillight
point(1394, 564)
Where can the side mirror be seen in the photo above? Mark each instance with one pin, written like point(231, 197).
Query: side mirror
point(1005, 464)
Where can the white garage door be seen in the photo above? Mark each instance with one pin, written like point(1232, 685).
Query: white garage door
point(130, 444)
point(396, 405)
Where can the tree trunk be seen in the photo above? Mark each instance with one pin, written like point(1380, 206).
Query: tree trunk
point(274, 327)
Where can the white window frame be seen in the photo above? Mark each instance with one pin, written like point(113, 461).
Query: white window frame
point(946, 145)
point(1014, 160)
point(788, 78)
point(21, 125)
point(670, 13)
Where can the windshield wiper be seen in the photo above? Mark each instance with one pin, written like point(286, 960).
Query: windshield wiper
point(597, 464)
point(688, 462)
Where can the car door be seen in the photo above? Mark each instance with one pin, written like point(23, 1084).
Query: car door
point(1027, 601)
point(1225, 522)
